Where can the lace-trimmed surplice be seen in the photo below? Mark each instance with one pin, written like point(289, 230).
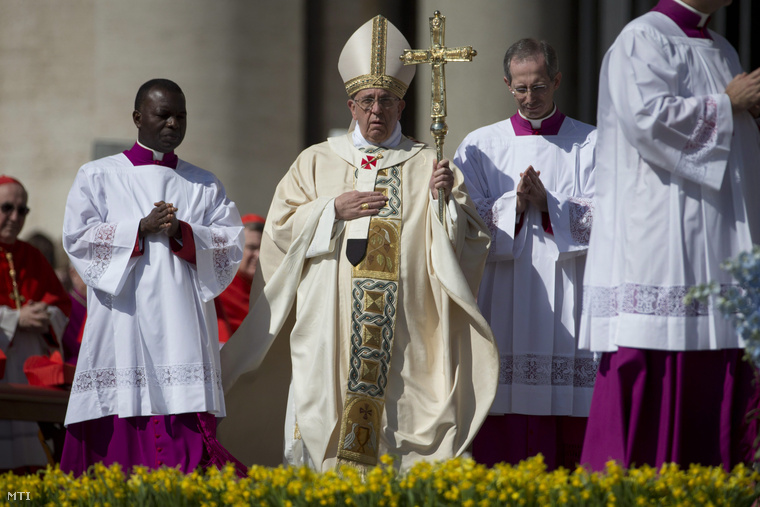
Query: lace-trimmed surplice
point(530, 292)
point(678, 172)
point(150, 344)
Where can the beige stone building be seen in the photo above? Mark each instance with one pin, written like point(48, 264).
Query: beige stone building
point(261, 77)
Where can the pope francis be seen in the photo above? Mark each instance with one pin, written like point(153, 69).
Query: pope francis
point(364, 307)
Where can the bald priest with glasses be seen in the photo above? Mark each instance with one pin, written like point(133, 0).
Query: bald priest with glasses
point(389, 351)
point(532, 179)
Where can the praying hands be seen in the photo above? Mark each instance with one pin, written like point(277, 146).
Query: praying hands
point(531, 189)
point(744, 92)
point(162, 218)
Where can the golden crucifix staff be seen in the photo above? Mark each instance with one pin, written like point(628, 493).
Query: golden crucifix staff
point(437, 56)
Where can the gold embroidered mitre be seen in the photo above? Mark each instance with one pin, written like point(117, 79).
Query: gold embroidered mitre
point(370, 59)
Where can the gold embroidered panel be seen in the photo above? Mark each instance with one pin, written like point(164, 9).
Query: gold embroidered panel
point(383, 254)
point(374, 304)
point(361, 424)
point(373, 318)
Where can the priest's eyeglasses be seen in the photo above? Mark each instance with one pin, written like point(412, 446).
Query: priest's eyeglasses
point(522, 91)
point(367, 103)
point(7, 208)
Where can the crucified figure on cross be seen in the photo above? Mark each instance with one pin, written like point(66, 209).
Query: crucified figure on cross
point(437, 55)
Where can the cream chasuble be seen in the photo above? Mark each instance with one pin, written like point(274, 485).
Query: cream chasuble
point(390, 356)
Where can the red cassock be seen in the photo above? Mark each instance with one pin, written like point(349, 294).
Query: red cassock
point(232, 306)
point(35, 281)
point(35, 278)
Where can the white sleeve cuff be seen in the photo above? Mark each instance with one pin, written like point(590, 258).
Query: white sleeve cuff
point(8, 324)
point(324, 236)
point(451, 216)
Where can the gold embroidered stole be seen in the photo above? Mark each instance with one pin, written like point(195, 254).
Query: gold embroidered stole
point(374, 299)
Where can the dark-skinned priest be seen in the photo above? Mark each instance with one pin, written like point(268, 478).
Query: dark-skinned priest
point(373, 293)
point(155, 239)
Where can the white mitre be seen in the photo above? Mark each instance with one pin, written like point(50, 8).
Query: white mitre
point(370, 59)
